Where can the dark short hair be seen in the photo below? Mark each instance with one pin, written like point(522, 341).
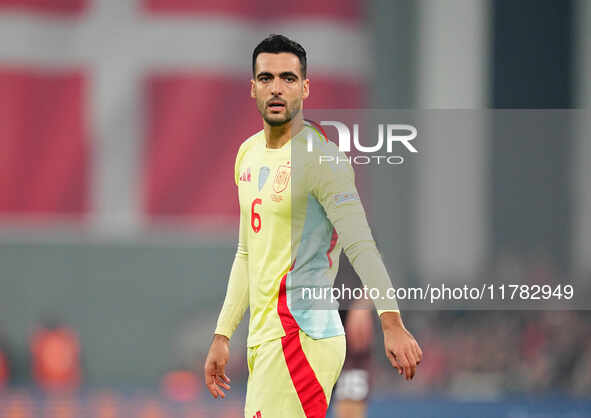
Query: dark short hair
point(275, 44)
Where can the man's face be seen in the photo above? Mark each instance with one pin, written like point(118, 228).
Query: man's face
point(278, 87)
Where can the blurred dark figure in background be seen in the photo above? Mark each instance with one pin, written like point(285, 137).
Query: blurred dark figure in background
point(55, 351)
point(352, 388)
point(4, 363)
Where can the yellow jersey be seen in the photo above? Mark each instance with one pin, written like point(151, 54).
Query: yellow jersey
point(298, 207)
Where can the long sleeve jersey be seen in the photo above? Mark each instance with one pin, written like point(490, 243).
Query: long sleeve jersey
point(299, 208)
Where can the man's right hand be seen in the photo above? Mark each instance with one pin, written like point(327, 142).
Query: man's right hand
point(215, 364)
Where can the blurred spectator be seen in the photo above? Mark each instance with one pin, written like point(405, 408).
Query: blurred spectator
point(581, 381)
point(488, 354)
point(55, 351)
point(181, 385)
point(4, 363)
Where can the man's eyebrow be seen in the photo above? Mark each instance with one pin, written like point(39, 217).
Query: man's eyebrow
point(288, 74)
point(264, 74)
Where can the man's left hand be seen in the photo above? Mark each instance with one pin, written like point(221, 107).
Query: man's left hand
point(402, 349)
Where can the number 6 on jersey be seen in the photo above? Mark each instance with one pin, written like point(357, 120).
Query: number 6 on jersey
point(255, 218)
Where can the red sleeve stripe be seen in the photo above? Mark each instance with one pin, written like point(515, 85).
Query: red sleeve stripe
point(333, 243)
point(317, 128)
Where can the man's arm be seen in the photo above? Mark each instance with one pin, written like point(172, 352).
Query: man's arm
point(235, 305)
point(334, 187)
point(236, 300)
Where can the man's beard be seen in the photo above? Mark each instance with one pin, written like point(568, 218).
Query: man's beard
point(278, 122)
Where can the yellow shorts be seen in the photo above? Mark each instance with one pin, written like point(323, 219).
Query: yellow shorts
point(293, 376)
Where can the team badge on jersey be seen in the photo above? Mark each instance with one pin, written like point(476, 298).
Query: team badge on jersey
point(245, 176)
point(341, 198)
point(263, 175)
point(282, 178)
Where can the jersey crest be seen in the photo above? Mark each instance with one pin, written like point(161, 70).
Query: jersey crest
point(281, 178)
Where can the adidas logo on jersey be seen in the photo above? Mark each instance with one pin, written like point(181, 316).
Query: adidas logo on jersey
point(245, 176)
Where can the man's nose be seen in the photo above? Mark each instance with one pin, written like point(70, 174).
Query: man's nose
point(276, 87)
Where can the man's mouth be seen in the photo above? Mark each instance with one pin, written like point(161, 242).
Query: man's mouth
point(276, 105)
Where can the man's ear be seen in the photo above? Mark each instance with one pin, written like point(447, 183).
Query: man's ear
point(252, 89)
point(306, 89)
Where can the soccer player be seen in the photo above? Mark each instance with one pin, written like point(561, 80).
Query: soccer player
point(296, 215)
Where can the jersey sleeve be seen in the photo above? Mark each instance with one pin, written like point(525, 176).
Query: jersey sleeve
point(333, 185)
point(236, 300)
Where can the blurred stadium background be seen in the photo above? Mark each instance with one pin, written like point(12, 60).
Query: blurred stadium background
point(119, 123)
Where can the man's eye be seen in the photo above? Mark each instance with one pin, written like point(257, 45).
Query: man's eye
point(265, 79)
point(290, 79)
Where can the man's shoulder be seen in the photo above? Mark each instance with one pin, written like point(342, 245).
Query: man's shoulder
point(250, 142)
point(311, 144)
point(247, 145)
point(322, 155)
point(316, 151)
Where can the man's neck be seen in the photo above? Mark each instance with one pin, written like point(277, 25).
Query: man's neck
point(277, 136)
